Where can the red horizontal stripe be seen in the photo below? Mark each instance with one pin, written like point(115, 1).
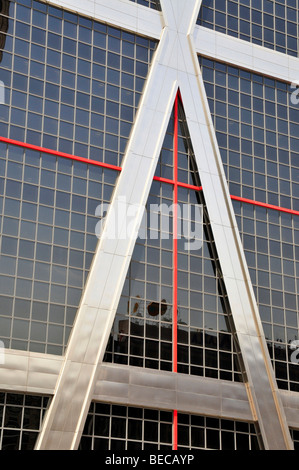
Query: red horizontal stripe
point(59, 154)
point(163, 180)
point(190, 186)
point(265, 205)
point(157, 178)
point(182, 185)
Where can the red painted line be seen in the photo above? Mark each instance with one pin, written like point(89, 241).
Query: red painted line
point(175, 233)
point(175, 430)
point(265, 205)
point(59, 154)
point(156, 178)
point(181, 185)
point(189, 186)
point(175, 262)
point(163, 180)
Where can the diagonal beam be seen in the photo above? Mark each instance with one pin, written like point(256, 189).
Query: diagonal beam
point(66, 416)
point(123, 14)
point(174, 65)
point(246, 55)
point(263, 393)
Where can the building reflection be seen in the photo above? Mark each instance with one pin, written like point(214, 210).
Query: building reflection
point(4, 7)
point(207, 351)
point(198, 350)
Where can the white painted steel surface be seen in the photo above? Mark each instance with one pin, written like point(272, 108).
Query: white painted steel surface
point(79, 376)
point(246, 55)
point(65, 419)
point(27, 372)
point(119, 13)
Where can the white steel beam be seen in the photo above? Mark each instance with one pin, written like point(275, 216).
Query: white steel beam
point(29, 372)
point(123, 14)
point(65, 419)
point(213, 44)
point(262, 389)
point(77, 378)
point(37, 373)
point(246, 55)
point(175, 65)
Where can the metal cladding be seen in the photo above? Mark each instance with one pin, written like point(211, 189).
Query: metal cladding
point(153, 54)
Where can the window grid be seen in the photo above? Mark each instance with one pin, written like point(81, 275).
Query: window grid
point(268, 23)
point(257, 128)
point(199, 432)
point(295, 437)
point(270, 241)
point(72, 84)
point(114, 427)
point(205, 343)
point(48, 224)
point(154, 4)
point(205, 330)
point(20, 420)
point(142, 331)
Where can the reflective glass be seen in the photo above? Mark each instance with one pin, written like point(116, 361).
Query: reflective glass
point(272, 261)
point(155, 4)
point(48, 85)
point(269, 23)
point(47, 242)
point(145, 429)
point(143, 329)
point(258, 137)
point(20, 420)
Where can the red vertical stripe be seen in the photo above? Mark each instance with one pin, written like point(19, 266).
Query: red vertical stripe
point(175, 231)
point(175, 430)
point(175, 258)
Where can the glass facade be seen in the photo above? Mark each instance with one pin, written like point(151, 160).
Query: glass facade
point(268, 23)
point(295, 436)
point(199, 432)
point(270, 241)
point(114, 427)
point(3, 24)
point(48, 240)
point(145, 323)
point(20, 420)
point(255, 122)
point(154, 4)
point(72, 87)
point(142, 331)
point(256, 125)
point(71, 84)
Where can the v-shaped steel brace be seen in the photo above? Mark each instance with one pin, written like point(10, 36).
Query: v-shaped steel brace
point(175, 66)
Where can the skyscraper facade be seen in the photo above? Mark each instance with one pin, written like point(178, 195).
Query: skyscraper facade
point(149, 225)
